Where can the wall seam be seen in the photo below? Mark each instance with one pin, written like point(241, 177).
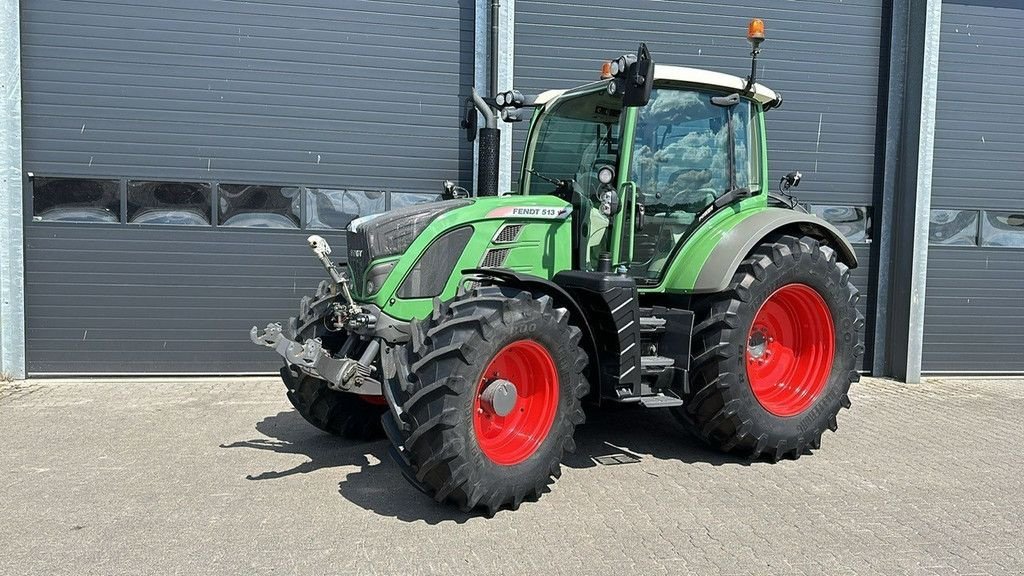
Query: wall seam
point(925, 151)
point(12, 238)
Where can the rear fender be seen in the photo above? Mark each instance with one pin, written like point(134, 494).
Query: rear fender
point(736, 244)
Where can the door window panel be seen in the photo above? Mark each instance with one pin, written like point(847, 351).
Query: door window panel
point(176, 203)
point(953, 227)
point(682, 164)
point(403, 199)
point(1002, 229)
point(256, 206)
point(853, 221)
point(76, 200)
point(328, 208)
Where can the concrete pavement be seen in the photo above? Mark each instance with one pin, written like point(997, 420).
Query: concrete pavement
point(220, 476)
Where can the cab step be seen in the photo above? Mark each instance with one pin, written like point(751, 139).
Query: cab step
point(655, 365)
point(652, 325)
point(661, 400)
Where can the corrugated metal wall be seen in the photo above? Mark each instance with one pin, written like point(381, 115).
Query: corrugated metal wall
point(821, 54)
point(106, 299)
point(362, 94)
point(974, 304)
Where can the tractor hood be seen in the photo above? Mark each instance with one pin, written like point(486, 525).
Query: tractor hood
point(390, 233)
point(418, 253)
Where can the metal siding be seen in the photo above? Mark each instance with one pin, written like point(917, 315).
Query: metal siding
point(113, 299)
point(822, 55)
point(974, 306)
point(357, 94)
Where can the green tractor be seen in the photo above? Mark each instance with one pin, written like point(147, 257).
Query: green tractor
point(643, 260)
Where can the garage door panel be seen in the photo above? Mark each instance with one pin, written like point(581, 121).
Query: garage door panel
point(110, 309)
point(305, 15)
point(299, 65)
point(823, 57)
point(166, 362)
point(176, 74)
point(974, 305)
point(360, 95)
point(104, 241)
point(974, 310)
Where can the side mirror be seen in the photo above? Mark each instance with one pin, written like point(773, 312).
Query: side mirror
point(790, 180)
point(640, 80)
point(469, 123)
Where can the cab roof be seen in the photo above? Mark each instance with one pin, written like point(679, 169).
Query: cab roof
point(665, 73)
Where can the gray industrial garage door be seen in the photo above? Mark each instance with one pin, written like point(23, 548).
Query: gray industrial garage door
point(822, 55)
point(974, 304)
point(179, 152)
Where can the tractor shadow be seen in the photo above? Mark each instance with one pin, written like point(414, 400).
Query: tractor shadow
point(616, 435)
point(376, 485)
point(624, 433)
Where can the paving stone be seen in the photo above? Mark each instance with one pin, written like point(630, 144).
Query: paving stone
point(220, 476)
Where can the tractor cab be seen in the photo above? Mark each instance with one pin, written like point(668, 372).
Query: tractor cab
point(643, 178)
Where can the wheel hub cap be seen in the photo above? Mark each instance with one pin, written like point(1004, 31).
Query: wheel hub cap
point(516, 402)
point(500, 396)
point(790, 348)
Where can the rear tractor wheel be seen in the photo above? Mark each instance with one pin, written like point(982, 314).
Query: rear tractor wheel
point(775, 354)
point(492, 401)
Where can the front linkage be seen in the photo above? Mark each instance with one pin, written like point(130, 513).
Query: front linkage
point(351, 365)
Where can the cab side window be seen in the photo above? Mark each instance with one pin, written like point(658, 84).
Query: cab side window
point(681, 164)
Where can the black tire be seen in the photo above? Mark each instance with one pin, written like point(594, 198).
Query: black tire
point(333, 411)
point(435, 442)
point(722, 408)
point(338, 413)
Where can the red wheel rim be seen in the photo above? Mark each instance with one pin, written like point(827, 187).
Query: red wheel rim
point(790, 348)
point(375, 400)
point(511, 439)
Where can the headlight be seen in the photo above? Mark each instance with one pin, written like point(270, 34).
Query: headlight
point(377, 275)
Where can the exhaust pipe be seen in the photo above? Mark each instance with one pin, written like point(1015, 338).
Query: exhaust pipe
point(488, 154)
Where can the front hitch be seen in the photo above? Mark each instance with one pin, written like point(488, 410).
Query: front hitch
point(342, 316)
point(343, 374)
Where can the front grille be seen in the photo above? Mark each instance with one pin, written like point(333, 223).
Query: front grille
point(358, 257)
point(494, 258)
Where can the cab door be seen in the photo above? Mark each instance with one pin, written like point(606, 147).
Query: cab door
point(690, 147)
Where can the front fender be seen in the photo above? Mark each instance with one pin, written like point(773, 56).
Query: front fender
point(561, 297)
point(734, 246)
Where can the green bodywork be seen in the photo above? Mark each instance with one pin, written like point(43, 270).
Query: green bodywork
point(542, 249)
point(545, 245)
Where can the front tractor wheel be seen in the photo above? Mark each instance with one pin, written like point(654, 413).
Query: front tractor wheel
point(492, 400)
point(351, 416)
point(775, 354)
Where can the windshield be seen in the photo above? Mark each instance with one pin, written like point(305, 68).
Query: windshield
point(574, 139)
